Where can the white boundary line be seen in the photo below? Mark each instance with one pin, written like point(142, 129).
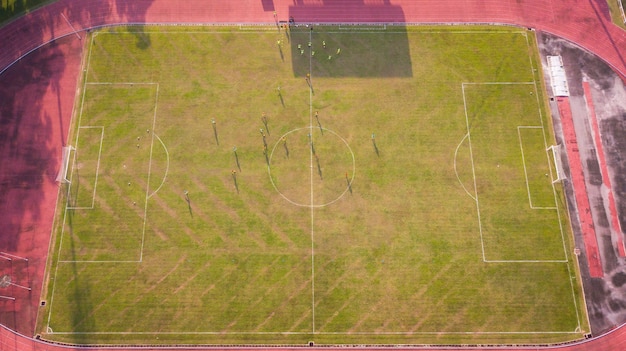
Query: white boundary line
point(122, 83)
point(95, 183)
point(321, 333)
point(260, 29)
point(521, 145)
point(311, 179)
point(80, 116)
point(312, 248)
point(558, 212)
point(263, 29)
point(59, 260)
point(364, 27)
point(545, 144)
point(96, 261)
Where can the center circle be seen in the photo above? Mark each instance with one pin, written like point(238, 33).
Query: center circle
point(311, 166)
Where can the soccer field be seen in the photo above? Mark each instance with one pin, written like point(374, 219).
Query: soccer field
point(361, 185)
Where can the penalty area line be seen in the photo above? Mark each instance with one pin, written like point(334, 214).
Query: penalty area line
point(469, 140)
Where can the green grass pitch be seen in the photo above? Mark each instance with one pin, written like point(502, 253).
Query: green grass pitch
point(401, 193)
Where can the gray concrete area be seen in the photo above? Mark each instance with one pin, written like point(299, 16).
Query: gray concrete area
point(605, 297)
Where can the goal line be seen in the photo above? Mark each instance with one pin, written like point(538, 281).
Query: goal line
point(558, 163)
point(65, 162)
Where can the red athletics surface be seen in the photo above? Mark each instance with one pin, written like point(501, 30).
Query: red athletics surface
point(617, 228)
point(580, 189)
point(39, 109)
point(36, 100)
point(584, 22)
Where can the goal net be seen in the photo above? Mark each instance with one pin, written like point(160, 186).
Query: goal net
point(558, 163)
point(65, 161)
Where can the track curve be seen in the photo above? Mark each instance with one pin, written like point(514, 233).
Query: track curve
point(583, 22)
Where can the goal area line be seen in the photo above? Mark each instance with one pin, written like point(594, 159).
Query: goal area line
point(526, 176)
point(476, 198)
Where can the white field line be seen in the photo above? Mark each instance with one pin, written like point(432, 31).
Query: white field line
point(143, 228)
point(167, 166)
point(571, 278)
point(80, 116)
point(525, 261)
point(311, 178)
point(308, 205)
point(49, 259)
point(455, 168)
point(545, 144)
point(469, 138)
point(369, 27)
point(96, 261)
point(251, 28)
point(266, 28)
point(312, 218)
point(521, 145)
point(95, 183)
point(499, 83)
point(323, 333)
point(554, 192)
point(122, 83)
point(145, 208)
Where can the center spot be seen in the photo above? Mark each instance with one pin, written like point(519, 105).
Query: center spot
point(311, 166)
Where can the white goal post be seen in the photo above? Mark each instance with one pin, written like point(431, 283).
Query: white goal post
point(65, 161)
point(558, 163)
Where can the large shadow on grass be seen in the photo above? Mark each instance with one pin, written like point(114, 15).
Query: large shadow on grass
point(378, 49)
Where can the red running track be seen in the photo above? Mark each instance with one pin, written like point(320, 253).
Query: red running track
point(606, 179)
point(580, 189)
point(584, 22)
